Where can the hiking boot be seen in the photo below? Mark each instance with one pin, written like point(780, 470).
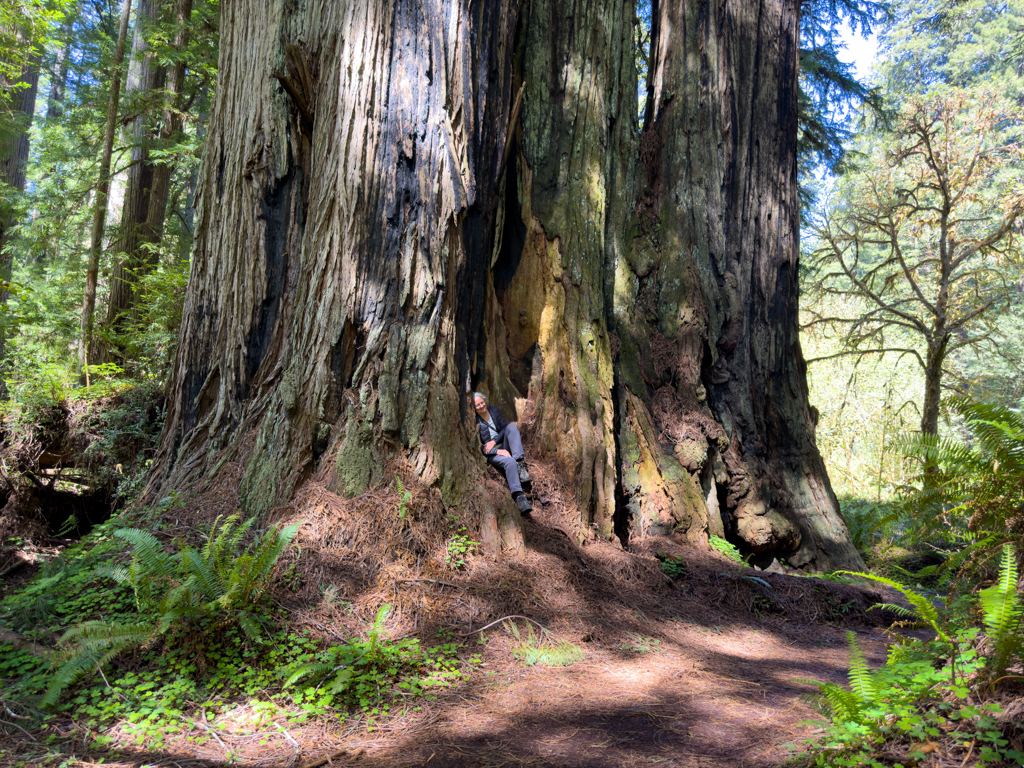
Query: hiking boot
point(524, 474)
point(524, 505)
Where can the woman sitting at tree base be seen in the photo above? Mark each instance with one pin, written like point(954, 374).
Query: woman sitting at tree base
point(503, 448)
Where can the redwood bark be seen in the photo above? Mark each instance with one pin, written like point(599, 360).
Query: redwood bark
point(372, 243)
point(343, 235)
point(709, 318)
point(14, 152)
point(565, 222)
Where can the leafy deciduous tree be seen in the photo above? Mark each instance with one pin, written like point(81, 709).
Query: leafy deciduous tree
point(925, 237)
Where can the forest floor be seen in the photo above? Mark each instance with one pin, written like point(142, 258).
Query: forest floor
point(680, 675)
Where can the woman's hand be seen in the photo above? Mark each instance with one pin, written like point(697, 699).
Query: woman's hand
point(489, 446)
point(503, 452)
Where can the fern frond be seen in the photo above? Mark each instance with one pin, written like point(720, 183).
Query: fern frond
point(923, 606)
point(69, 674)
point(269, 549)
point(250, 626)
point(899, 610)
point(180, 596)
point(1003, 613)
point(149, 552)
point(340, 681)
point(117, 573)
point(99, 635)
point(979, 542)
point(221, 538)
point(862, 682)
point(209, 583)
point(95, 643)
point(317, 670)
point(223, 544)
point(835, 701)
point(235, 536)
point(378, 627)
point(999, 602)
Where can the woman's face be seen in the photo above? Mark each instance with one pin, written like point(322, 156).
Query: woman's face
point(480, 406)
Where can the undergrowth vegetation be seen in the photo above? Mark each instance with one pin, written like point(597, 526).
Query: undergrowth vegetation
point(362, 673)
point(194, 636)
point(532, 648)
point(185, 596)
point(934, 697)
point(942, 540)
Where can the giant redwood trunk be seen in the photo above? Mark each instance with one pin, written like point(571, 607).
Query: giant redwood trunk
point(402, 201)
point(707, 309)
point(563, 226)
point(343, 242)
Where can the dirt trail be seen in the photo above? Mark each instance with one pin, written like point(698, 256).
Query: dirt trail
point(704, 697)
point(696, 672)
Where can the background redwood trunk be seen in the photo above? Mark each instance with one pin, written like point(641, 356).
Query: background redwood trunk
point(145, 79)
point(708, 320)
point(59, 73)
point(13, 157)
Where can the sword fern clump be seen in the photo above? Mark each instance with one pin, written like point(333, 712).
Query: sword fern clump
point(1003, 611)
point(913, 703)
point(204, 589)
point(976, 486)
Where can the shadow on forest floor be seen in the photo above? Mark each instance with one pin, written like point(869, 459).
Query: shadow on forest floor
point(693, 672)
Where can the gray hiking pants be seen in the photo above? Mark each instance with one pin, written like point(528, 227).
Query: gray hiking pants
point(510, 440)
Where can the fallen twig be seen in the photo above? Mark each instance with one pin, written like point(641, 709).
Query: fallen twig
point(505, 618)
point(330, 758)
point(15, 725)
point(298, 749)
point(432, 581)
point(15, 715)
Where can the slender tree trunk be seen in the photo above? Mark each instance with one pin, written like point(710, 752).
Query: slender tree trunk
point(145, 79)
point(102, 188)
point(59, 73)
point(149, 183)
point(171, 125)
point(13, 157)
point(934, 359)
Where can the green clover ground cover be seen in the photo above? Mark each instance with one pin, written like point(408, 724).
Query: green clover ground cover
point(157, 689)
